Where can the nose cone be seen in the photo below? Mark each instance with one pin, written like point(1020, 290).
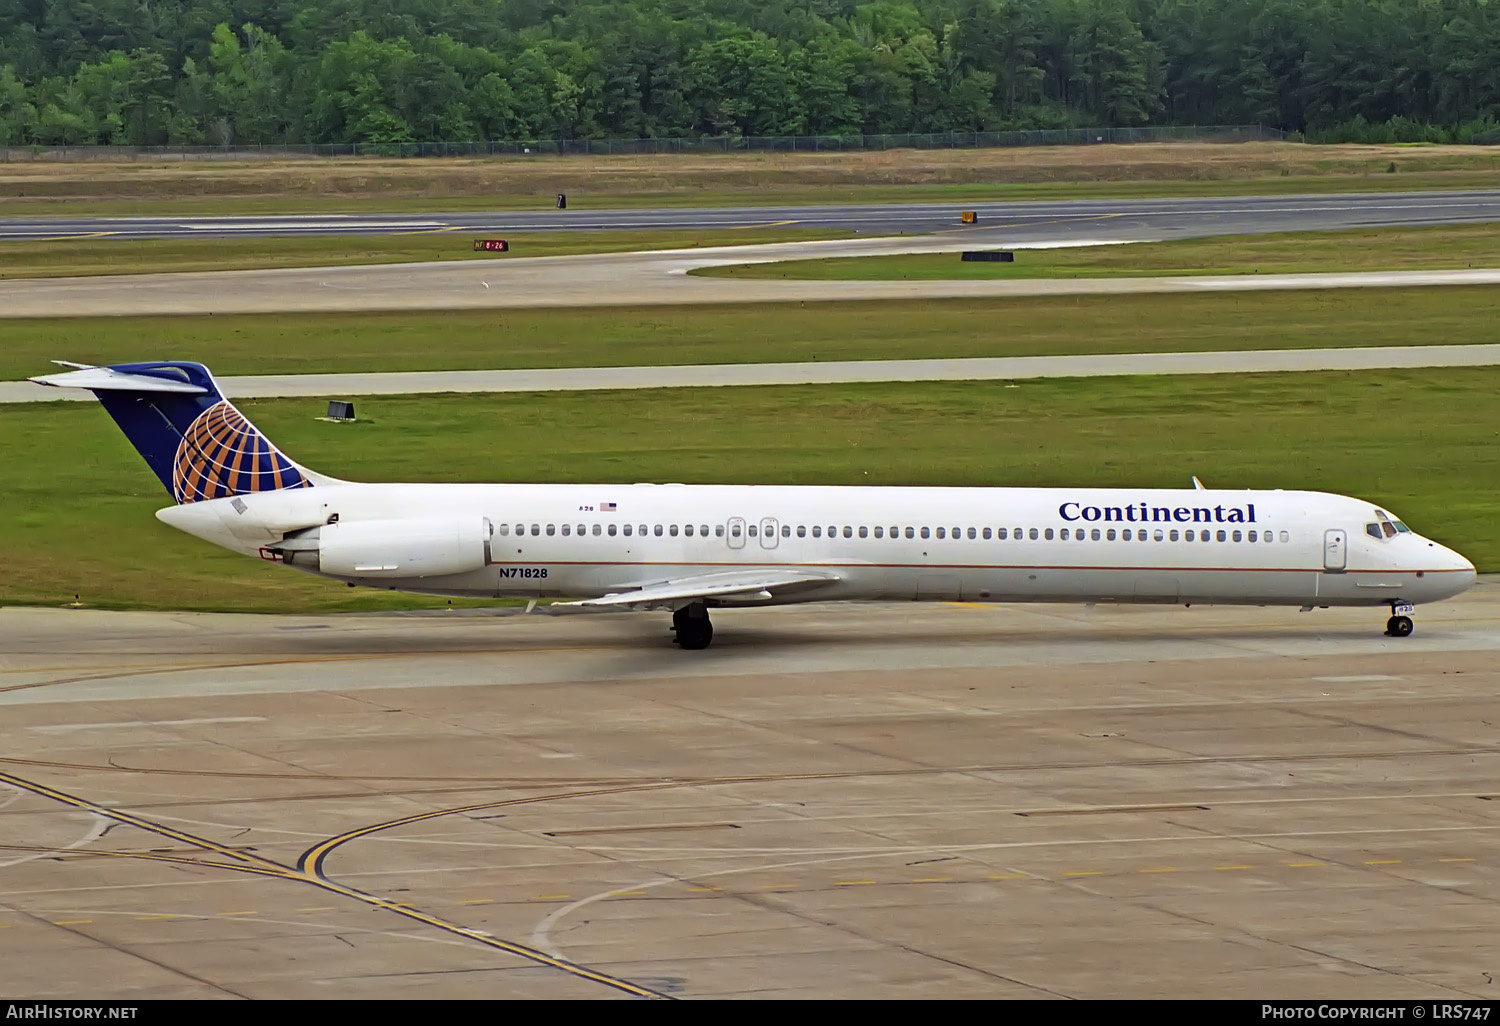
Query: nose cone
point(1456, 573)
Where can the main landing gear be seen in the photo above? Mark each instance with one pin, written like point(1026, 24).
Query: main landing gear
point(1399, 625)
point(691, 624)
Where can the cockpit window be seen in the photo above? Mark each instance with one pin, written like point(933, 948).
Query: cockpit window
point(1401, 528)
point(1373, 530)
point(1390, 532)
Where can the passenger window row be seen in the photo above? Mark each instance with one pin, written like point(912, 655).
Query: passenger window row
point(942, 533)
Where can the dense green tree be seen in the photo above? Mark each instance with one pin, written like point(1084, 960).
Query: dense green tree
point(142, 72)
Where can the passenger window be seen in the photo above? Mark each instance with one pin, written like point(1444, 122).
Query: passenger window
point(1173, 535)
point(641, 530)
point(911, 532)
point(551, 530)
point(1157, 534)
point(1048, 534)
point(972, 534)
point(688, 530)
point(940, 533)
point(1235, 536)
point(1206, 535)
point(986, 534)
point(627, 530)
point(611, 529)
point(566, 530)
point(504, 530)
point(817, 530)
point(671, 529)
point(958, 532)
point(1188, 536)
point(657, 531)
point(801, 531)
point(1033, 534)
point(1285, 536)
point(895, 532)
point(1109, 535)
point(1251, 536)
point(1125, 534)
point(786, 532)
point(1094, 534)
point(753, 530)
point(1063, 534)
point(703, 530)
point(833, 532)
point(536, 530)
point(864, 532)
point(880, 532)
point(1223, 535)
point(1001, 533)
point(848, 532)
point(926, 533)
point(718, 530)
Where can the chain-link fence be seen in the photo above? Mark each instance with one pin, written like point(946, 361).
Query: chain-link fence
point(714, 144)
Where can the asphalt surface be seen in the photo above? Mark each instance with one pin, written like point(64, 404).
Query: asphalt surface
point(615, 279)
point(893, 801)
point(1026, 221)
point(578, 379)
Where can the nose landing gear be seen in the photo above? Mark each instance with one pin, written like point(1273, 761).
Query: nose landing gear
point(1399, 625)
point(692, 626)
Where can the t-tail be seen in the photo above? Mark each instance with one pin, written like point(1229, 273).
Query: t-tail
point(197, 443)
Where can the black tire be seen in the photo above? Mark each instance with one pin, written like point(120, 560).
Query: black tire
point(1400, 627)
point(695, 634)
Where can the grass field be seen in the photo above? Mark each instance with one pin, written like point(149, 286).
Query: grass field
point(77, 517)
point(67, 257)
point(466, 340)
point(250, 186)
point(1375, 249)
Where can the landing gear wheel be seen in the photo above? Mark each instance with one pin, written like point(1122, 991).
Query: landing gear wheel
point(692, 626)
point(1399, 627)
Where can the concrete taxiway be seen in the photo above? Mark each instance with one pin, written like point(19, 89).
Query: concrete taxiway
point(883, 801)
point(578, 379)
point(657, 278)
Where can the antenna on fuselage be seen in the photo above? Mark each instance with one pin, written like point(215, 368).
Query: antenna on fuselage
point(1198, 485)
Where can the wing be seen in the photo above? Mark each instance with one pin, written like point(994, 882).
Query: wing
point(755, 585)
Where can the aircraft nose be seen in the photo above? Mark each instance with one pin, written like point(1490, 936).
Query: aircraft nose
point(1460, 571)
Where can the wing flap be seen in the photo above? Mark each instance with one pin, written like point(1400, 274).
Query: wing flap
point(766, 584)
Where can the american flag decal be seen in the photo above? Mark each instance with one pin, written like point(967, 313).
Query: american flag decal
point(606, 507)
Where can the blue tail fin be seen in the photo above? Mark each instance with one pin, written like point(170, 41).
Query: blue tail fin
point(191, 436)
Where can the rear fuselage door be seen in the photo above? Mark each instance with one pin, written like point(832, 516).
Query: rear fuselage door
point(1335, 554)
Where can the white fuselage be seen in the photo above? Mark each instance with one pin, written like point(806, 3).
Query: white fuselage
point(973, 544)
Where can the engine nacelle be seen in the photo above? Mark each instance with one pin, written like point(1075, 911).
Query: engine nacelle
point(407, 548)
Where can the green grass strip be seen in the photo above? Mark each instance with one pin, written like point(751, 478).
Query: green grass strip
point(1384, 249)
point(759, 333)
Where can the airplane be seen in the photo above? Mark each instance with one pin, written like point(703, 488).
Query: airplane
point(692, 548)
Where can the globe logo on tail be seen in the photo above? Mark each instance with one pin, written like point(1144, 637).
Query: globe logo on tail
point(222, 454)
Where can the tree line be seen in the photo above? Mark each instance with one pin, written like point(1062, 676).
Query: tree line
point(220, 72)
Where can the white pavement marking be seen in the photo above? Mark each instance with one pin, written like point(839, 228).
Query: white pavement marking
point(577, 379)
point(94, 832)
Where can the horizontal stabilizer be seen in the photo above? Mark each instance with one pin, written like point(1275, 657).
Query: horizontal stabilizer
point(745, 583)
point(107, 379)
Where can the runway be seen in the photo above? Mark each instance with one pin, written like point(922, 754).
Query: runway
point(1148, 218)
point(880, 802)
point(578, 379)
